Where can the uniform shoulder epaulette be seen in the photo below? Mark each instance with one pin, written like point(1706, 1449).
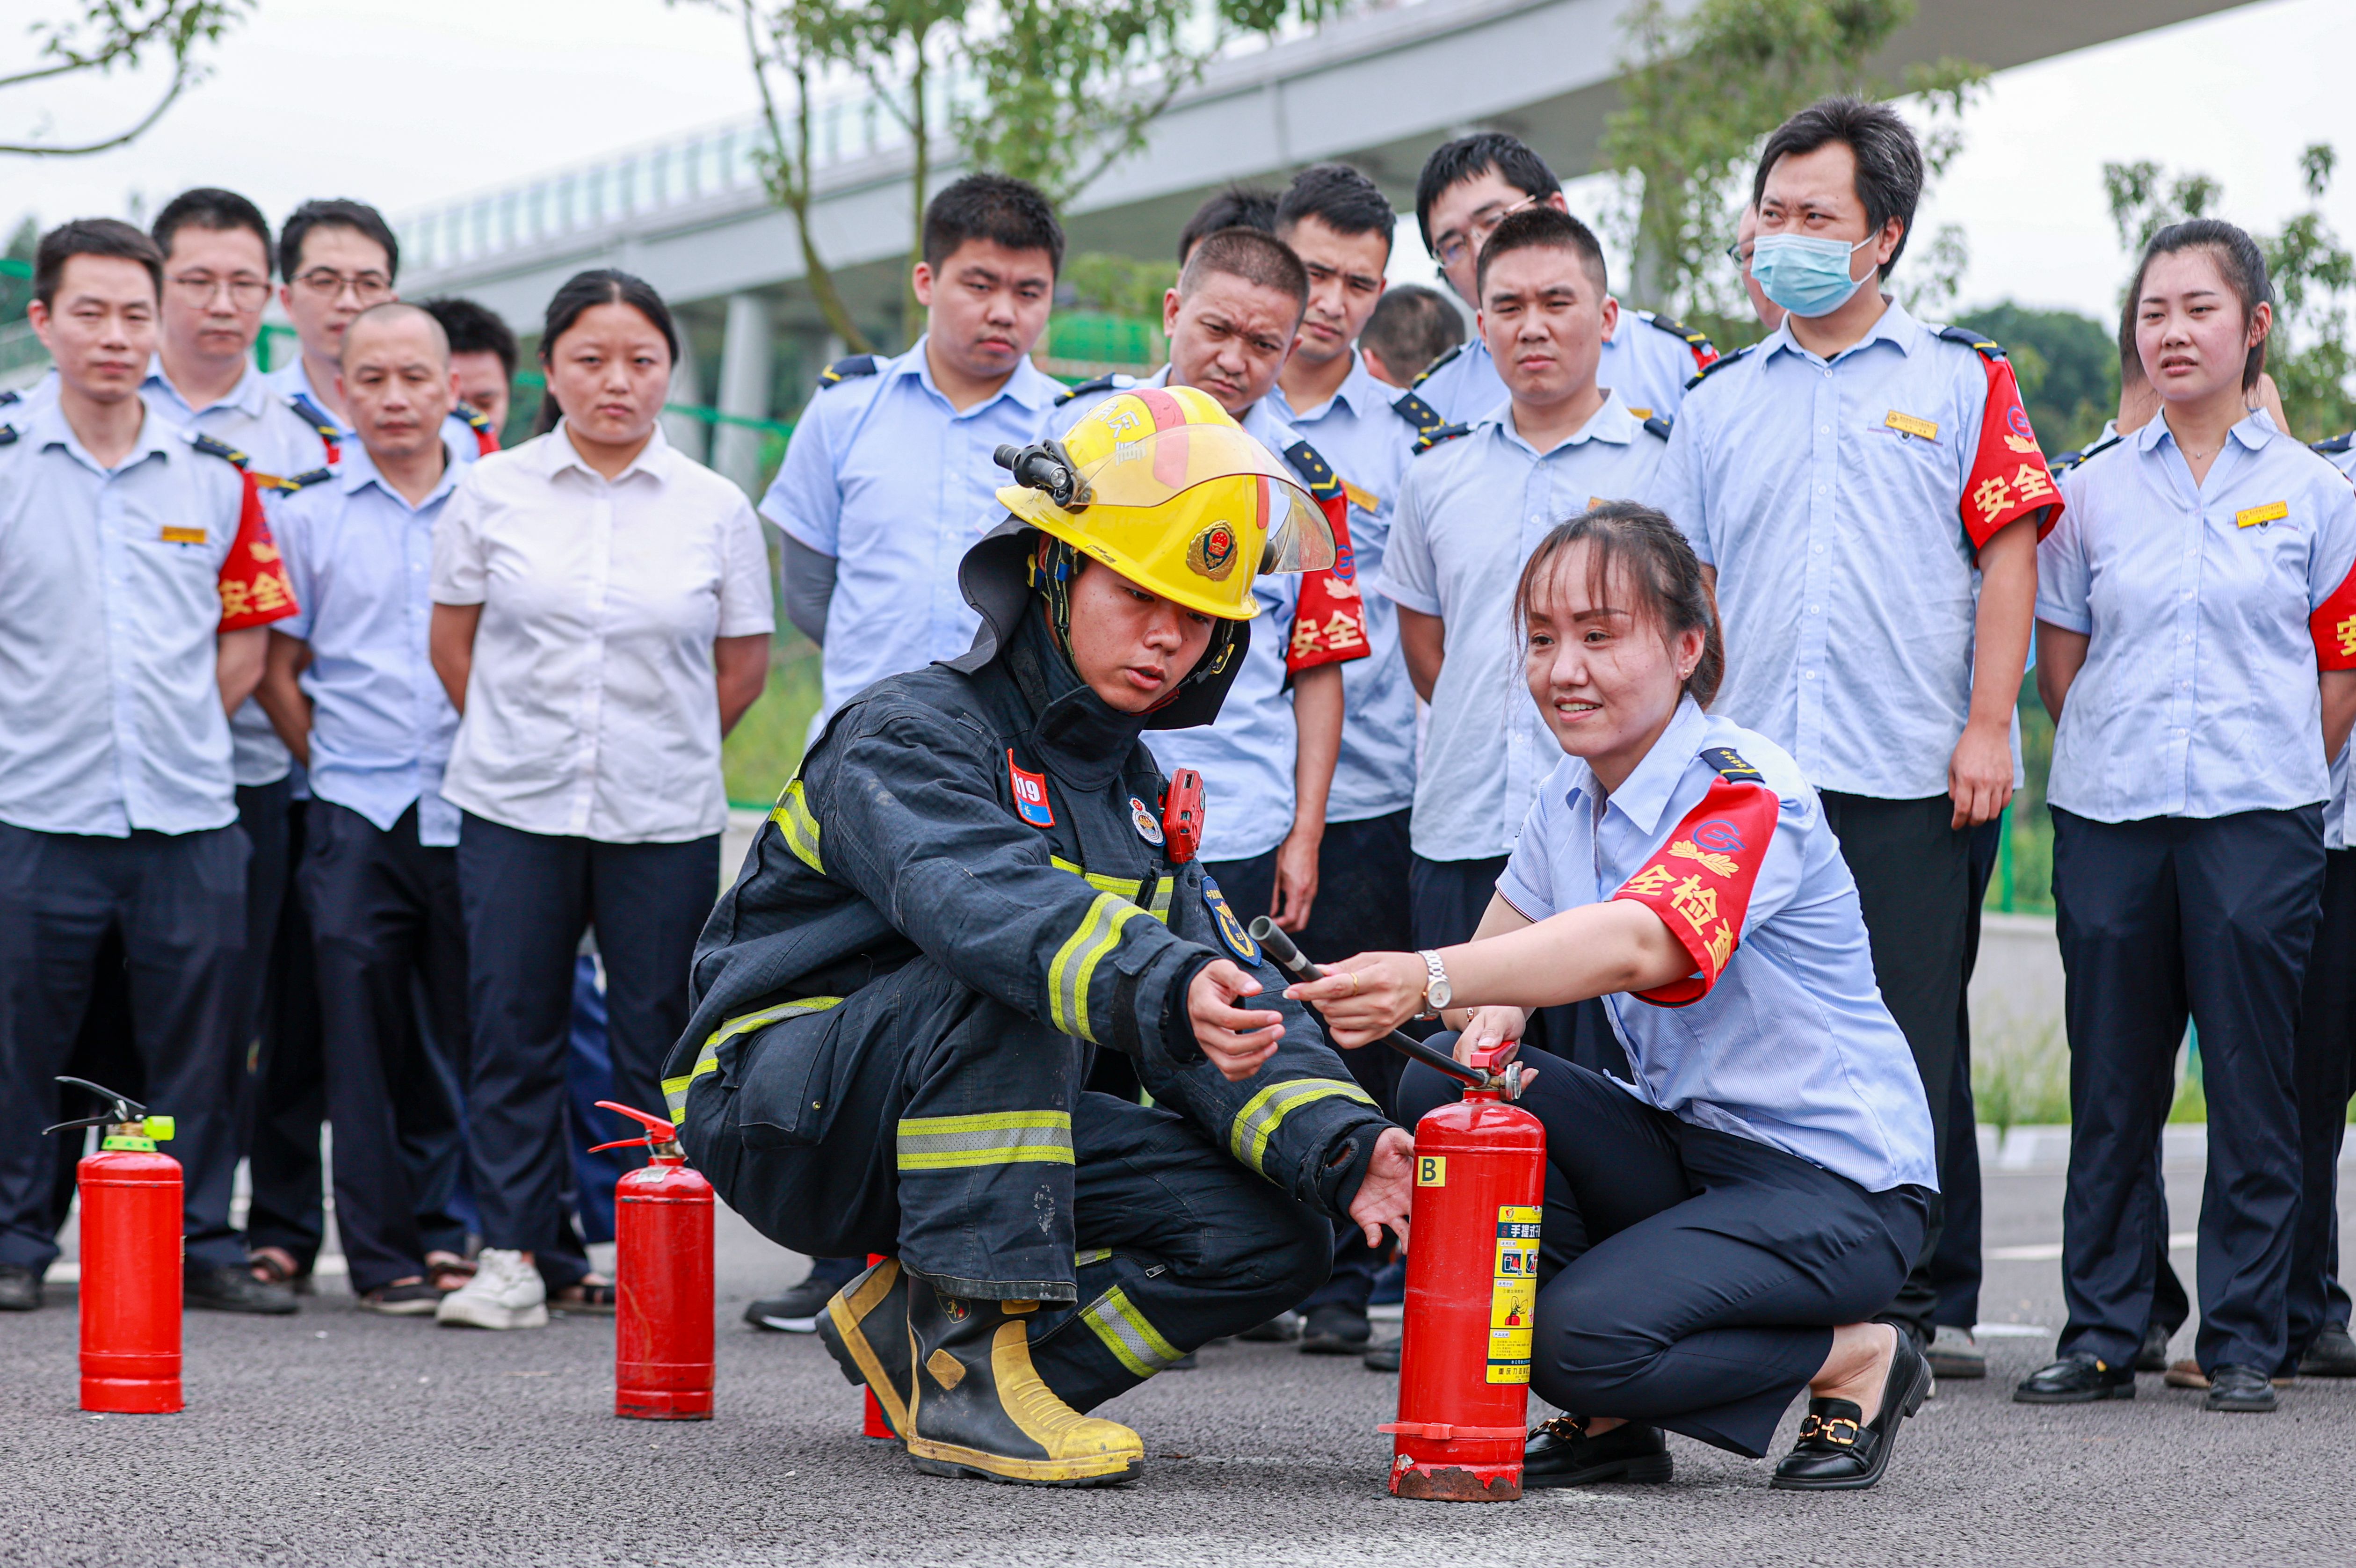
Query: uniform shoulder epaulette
point(486, 435)
point(1657, 426)
point(7, 436)
point(1432, 369)
point(315, 417)
point(1324, 484)
point(8, 397)
point(2068, 460)
point(1986, 348)
point(1431, 438)
point(849, 368)
point(290, 483)
point(1717, 365)
point(1730, 767)
point(1704, 350)
point(211, 447)
point(1111, 380)
point(2337, 445)
point(1411, 407)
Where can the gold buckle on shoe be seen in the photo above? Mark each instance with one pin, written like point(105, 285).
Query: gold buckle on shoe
point(1813, 1426)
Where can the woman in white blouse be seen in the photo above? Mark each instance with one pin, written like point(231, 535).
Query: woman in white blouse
point(602, 614)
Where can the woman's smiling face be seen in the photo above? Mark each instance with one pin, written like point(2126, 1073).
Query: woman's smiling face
point(1604, 675)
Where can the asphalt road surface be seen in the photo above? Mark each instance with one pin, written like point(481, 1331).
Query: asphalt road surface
point(335, 1437)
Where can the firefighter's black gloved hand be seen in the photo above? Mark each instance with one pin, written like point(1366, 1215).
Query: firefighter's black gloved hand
point(1238, 1039)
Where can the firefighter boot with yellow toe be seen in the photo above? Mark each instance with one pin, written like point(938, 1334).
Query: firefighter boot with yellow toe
point(978, 1408)
point(865, 1328)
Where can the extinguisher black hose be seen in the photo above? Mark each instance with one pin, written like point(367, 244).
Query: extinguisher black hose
point(1280, 947)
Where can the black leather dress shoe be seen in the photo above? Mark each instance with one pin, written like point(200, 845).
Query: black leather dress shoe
point(2333, 1355)
point(2152, 1355)
point(1382, 1358)
point(20, 1289)
point(226, 1289)
point(2239, 1389)
point(1559, 1455)
point(2075, 1380)
point(1835, 1453)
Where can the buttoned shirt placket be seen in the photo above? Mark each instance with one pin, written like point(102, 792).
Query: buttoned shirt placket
point(115, 594)
point(2192, 522)
point(590, 712)
point(1824, 536)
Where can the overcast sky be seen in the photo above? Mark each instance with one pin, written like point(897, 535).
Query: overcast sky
point(405, 102)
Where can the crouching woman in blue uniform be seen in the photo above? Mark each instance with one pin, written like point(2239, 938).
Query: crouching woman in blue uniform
point(1721, 1228)
point(967, 892)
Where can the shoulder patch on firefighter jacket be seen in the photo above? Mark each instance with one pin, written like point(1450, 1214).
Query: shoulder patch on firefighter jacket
point(1232, 935)
point(1698, 882)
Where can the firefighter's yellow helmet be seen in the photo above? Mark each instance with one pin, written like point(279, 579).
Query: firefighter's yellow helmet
point(1162, 486)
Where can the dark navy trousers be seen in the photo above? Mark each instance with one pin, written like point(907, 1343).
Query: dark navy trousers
point(2159, 920)
point(178, 903)
point(2326, 1076)
point(1688, 1278)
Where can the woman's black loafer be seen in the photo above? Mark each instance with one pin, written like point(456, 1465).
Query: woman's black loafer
point(1559, 1455)
point(2075, 1380)
point(1835, 1453)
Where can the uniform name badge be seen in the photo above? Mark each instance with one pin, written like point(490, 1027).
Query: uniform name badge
point(1232, 935)
point(2259, 516)
point(1029, 794)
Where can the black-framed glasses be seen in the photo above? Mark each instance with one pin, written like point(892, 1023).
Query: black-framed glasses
point(245, 291)
point(1738, 255)
point(1454, 248)
point(326, 282)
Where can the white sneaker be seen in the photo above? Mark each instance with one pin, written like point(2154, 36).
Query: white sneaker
point(506, 1292)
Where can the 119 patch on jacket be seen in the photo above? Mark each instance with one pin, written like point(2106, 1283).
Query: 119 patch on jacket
point(1029, 794)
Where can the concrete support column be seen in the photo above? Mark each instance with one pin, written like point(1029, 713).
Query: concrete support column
point(689, 434)
point(745, 377)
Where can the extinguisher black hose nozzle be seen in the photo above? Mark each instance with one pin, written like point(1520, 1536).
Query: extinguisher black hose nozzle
point(1278, 946)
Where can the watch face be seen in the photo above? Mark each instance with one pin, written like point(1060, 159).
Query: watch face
point(1439, 994)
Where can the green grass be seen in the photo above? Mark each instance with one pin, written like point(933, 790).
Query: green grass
point(761, 754)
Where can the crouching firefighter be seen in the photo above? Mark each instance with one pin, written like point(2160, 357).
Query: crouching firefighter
point(970, 889)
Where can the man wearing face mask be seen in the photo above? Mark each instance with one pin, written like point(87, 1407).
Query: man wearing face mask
point(1867, 492)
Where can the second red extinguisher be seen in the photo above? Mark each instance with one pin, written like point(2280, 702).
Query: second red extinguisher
point(130, 1261)
point(663, 1267)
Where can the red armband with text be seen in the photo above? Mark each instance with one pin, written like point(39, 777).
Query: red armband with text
point(1329, 625)
point(253, 586)
point(2333, 626)
point(1698, 882)
point(2009, 476)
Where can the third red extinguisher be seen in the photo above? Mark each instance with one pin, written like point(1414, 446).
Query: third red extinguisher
point(662, 1266)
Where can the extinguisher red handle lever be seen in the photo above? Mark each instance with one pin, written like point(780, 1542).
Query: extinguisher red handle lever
point(658, 1130)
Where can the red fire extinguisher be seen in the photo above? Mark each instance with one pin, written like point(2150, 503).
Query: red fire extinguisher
point(662, 1321)
point(130, 1261)
point(1472, 1289)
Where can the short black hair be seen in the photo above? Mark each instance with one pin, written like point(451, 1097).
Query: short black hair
point(2240, 264)
point(207, 207)
point(1236, 207)
point(1543, 228)
point(98, 237)
point(584, 292)
point(1256, 257)
point(335, 212)
point(1888, 159)
point(474, 329)
point(1411, 327)
point(1470, 157)
point(1339, 197)
point(993, 207)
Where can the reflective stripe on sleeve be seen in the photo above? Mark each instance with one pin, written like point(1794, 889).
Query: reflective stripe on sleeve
point(992, 1138)
point(1074, 963)
point(1128, 887)
point(1257, 1123)
point(1095, 1255)
point(794, 820)
point(1134, 1343)
point(708, 1060)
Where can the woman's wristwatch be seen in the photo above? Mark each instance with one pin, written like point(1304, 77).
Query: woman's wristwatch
point(1437, 992)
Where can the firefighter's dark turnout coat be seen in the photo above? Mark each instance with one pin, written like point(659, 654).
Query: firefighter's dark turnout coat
point(962, 894)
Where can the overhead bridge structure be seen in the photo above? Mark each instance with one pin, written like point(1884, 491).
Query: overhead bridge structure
point(1377, 88)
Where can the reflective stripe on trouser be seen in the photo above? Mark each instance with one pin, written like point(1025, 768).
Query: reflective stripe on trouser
point(992, 1138)
point(708, 1060)
point(1134, 1343)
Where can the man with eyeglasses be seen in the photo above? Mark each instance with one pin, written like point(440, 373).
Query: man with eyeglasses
point(1469, 187)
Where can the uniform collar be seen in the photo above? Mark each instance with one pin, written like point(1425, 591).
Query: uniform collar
point(1647, 793)
point(358, 471)
point(1360, 393)
point(1896, 328)
point(654, 460)
point(1612, 424)
point(47, 427)
point(250, 397)
point(2251, 432)
point(1031, 387)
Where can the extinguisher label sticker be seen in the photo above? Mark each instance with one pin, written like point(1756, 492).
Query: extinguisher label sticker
point(1431, 1170)
point(1514, 1294)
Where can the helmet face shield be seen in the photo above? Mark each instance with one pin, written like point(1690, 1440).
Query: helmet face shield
point(1154, 467)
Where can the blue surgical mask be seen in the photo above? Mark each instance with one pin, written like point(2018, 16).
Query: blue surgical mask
point(1806, 276)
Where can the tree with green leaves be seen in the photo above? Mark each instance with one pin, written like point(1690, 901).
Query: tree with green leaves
point(2313, 273)
point(96, 37)
point(1053, 92)
point(1702, 88)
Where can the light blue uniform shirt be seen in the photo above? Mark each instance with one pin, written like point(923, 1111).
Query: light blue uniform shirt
point(110, 604)
point(895, 483)
point(2198, 697)
point(1471, 512)
point(256, 420)
point(362, 560)
point(1246, 757)
point(1648, 366)
point(1368, 446)
point(1791, 1048)
point(1848, 588)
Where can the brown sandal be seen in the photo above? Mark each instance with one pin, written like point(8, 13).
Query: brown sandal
point(588, 1296)
point(276, 1265)
point(447, 1270)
